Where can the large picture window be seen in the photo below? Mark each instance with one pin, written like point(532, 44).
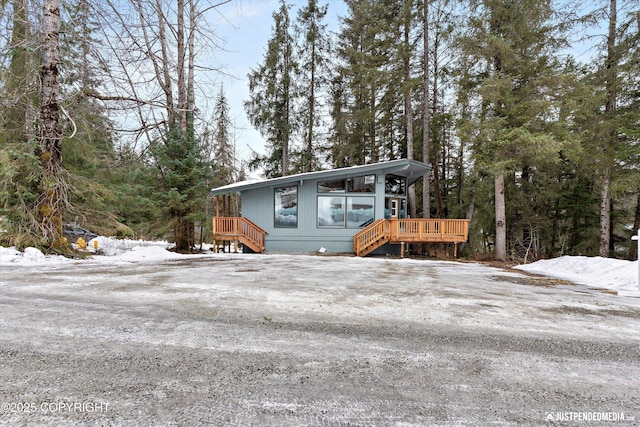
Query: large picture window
point(341, 212)
point(359, 211)
point(330, 211)
point(286, 207)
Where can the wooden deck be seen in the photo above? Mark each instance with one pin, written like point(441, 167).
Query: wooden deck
point(365, 241)
point(412, 230)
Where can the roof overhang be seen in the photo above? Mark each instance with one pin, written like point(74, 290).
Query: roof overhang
point(412, 170)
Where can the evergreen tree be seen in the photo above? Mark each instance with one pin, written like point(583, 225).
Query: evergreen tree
point(513, 43)
point(439, 142)
point(90, 153)
point(368, 126)
point(613, 136)
point(18, 86)
point(408, 86)
point(313, 57)
point(223, 147)
point(270, 105)
point(132, 181)
point(182, 179)
point(19, 165)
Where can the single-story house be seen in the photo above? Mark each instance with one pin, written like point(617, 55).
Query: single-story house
point(355, 209)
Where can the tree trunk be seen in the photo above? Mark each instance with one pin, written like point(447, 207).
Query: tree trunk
point(184, 227)
point(180, 68)
point(605, 214)
point(162, 71)
point(191, 92)
point(610, 106)
point(633, 250)
point(286, 113)
point(470, 210)
point(51, 186)
point(426, 193)
point(437, 146)
point(408, 109)
point(307, 164)
point(501, 221)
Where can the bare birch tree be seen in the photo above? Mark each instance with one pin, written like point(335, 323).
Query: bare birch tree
point(156, 57)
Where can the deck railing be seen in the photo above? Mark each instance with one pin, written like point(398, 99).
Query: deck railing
point(428, 230)
point(376, 234)
point(411, 230)
point(243, 229)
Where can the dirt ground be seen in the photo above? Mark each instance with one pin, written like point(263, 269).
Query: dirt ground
point(239, 340)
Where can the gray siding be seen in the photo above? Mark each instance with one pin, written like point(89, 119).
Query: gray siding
point(258, 206)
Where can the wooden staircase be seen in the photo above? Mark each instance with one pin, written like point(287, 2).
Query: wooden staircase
point(239, 229)
point(411, 230)
point(371, 237)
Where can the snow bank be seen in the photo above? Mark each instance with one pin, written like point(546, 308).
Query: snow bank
point(108, 250)
point(614, 274)
point(112, 247)
point(30, 256)
point(147, 253)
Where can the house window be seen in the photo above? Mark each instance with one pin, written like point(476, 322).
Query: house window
point(286, 207)
point(394, 184)
point(358, 184)
point(331, 211)
point(331, 186)
point(362, 184)
point(359, 211)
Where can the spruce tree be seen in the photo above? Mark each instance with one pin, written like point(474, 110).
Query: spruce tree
point(513, 44)
point(313, 51)
point(182, 189)
point(613, 136)
point(270, 106)
point(367, 127)
point(222, 145)
point(90, 153)
point(19, 164)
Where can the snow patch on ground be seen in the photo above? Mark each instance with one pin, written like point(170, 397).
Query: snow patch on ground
point(30, 256)
point(614, 274)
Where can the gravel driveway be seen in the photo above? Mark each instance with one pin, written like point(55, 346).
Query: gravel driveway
point(281, 340)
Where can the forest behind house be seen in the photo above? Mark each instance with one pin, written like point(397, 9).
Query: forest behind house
point(113, 115)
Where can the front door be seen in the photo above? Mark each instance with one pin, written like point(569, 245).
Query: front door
point(394, 207)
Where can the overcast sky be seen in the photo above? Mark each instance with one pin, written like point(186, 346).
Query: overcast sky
point(244, 27)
